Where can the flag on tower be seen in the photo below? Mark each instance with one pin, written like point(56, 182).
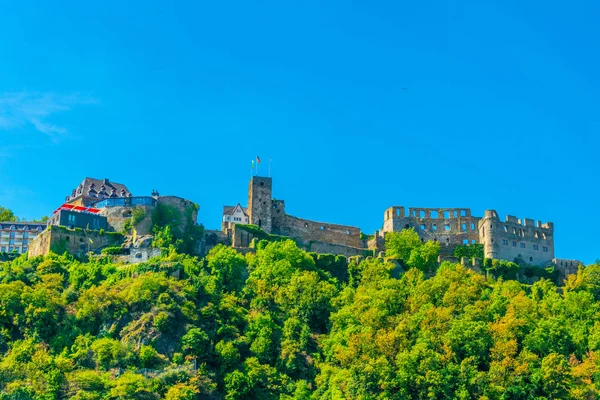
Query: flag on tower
point(252, 164)
point(258, 159)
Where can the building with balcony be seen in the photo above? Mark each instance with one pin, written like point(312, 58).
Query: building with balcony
point(16, 236)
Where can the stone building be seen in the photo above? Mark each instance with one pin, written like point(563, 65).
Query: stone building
point(512, 240)
point(449, 226)
point(17, 236)
point(516, 239)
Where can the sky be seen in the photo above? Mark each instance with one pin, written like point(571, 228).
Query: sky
point(360, 105)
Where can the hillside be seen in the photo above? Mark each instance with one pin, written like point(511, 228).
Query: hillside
point(286, 324)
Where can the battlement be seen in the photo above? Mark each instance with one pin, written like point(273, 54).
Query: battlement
point(426, 213)
point(526, 222)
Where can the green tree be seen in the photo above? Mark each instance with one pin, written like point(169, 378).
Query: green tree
point(399, 245)
point(7, 215)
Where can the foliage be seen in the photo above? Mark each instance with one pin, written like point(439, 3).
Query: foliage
point(112, 250)
point(469, 251)
point(260, 234)
point(408, 247)
point(6, 215)
point(281, 323)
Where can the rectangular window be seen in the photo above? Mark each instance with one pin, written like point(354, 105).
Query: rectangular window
point(536, 247)
point(472, 227)
point(522, 245)
point(446, 227)
point(463, 227)
point(422, 227)
point(505, 242)
point(434, 227)
point(514, 243)
point(545, 249)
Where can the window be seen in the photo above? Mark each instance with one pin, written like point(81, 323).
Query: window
point(514, 243)
point(545, 249)
point(473, 241)
point(455, 213)
point(72, 218)
point(522, 245)
point(544, 235)
point(11, 241)
point(536, 247)
point(347, 232)
point(305, 225)
point(422, 227)
point(26, 235)
point(472, 227)
point(514, 231)
point(466, 241)
point(2, 249)
point(505, 228)
point(505, 242)
point(446, 214)
point(434, 227)
point(322, 228)
point(463, 213)
point(463, 227)
point(434, 215)
point(536, 234)
point(447, 227)
point(421, 214)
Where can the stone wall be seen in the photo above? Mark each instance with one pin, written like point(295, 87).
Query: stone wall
point(118, 216)
point(329, 248)
point(306, 231)
point(566, 267)
point(449, 226)
point(515, 239)
point(76, 242)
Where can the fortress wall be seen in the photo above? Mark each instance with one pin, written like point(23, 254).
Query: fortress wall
point(77, 242)
point(514, 238)
point(449, 226)
point(117, 216)
point(307, 230)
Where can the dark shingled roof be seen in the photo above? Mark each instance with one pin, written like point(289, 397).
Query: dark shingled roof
point(228, 210)
point(98, 189)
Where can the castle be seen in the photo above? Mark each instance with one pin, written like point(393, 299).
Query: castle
point(97, 206)
point(524, 241)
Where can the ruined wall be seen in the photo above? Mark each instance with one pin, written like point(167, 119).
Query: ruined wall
point(187, 208)
point(260, 192)
point(449, 226)
point(307, 231)
point(118, 216)
point(515, 239)
point(566, 267)
point(76, 242)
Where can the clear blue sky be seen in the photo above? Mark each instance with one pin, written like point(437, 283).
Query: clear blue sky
point(361, 105)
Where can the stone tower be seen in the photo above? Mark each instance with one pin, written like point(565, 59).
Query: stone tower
point(486, 234)
point(260, 193)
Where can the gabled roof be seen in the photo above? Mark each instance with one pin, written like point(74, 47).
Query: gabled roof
point(100, 188)
point(230, 210)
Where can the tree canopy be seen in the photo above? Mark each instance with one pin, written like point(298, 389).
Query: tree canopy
point(281, 323)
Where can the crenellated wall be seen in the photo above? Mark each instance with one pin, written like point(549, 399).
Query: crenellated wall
point(449, 226)
point(515, 239)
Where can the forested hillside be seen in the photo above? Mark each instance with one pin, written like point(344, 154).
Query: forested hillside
point(286, 324)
